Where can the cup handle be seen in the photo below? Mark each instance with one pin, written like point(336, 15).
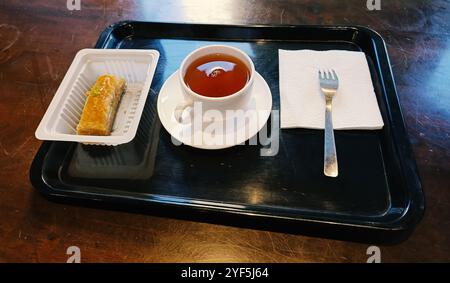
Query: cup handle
point(180, 108)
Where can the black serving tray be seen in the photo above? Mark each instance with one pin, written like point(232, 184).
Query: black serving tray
point(376, 198)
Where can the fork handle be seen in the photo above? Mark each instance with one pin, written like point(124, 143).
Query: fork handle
point(330, 165)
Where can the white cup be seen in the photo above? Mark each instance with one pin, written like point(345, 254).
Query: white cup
point(231, 102)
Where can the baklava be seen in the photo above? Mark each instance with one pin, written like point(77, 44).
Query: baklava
point(101, 105)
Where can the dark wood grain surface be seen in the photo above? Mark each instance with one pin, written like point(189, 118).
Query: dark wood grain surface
point(38, 40)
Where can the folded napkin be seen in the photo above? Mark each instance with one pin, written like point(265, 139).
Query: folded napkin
point(302, 103)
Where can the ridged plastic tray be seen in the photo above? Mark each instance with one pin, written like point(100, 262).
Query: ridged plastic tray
point(137, 67)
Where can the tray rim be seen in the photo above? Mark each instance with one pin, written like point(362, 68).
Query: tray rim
point(413, 211)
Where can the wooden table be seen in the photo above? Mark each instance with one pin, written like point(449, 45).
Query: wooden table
point(38, 40)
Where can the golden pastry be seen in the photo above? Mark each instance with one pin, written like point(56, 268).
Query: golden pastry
point(101, 104)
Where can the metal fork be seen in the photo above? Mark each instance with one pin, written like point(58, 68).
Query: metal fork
point(329, 84)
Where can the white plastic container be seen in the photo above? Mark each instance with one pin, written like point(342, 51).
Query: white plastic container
point(137, 67)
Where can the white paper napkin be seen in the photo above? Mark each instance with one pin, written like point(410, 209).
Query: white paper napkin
point(302, 103)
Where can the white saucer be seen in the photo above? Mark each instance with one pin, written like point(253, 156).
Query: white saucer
point(260, 103)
